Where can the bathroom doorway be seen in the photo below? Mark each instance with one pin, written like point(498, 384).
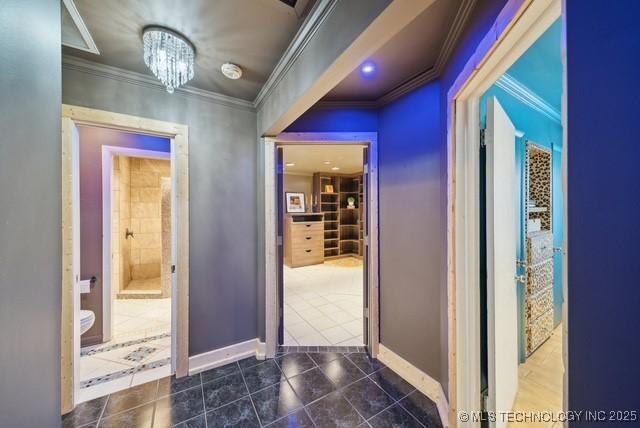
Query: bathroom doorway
point(125, 228)
point(129, 301)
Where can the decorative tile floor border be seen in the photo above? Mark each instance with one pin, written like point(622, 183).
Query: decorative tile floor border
point(140, 354)
point(301, 349)
point(85, 353)
point(123, 373)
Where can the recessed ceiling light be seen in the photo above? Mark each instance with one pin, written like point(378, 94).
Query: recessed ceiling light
point(327, 162)
point(231, 71)
point(290, 164)
point(368, 68)
point(335, 168)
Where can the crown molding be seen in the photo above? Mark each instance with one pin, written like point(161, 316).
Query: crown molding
point(408, 86)
point(457, 27)
point(82, 28)
point(309, 27)
point(522, 93)
point(106, 71)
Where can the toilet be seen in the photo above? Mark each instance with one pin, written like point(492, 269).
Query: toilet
point(87, 318)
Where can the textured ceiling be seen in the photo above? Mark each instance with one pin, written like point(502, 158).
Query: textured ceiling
point(251, 33)
point(311, 158)
point(411, 52)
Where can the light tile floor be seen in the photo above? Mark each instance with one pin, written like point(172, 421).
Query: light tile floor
point(142, 320)
point(323, 304)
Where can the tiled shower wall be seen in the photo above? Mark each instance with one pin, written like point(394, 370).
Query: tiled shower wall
point(141, 200)
point(120, 221)
point(146, 203)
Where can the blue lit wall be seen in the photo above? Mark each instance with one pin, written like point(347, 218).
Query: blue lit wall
point(603, 229)
point(336, 120)
point(411, 222)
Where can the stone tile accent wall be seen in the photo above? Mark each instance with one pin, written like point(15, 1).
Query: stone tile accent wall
point(146, 202)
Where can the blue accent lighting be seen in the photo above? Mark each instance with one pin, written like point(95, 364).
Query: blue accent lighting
point(368, 69)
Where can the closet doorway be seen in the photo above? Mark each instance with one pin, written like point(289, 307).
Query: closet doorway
point(521, 294)
point(322, 277)
point(323, 213)
point(507, 140)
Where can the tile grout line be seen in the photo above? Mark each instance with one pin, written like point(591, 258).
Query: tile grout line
point(204, 404)
point(304, 406)
point(155, 401)
point(249, 392)
point(103, 409)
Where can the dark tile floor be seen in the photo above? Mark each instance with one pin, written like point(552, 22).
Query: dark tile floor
point(296, 389)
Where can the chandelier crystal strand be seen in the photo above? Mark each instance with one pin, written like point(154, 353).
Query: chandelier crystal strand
point(169, 56)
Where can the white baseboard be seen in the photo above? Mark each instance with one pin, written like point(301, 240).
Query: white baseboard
point(222, 356)
point(261, 350)
point(419, 379)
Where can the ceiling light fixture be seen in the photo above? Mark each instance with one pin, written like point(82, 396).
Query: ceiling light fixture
point(335, 168)
point(290, 164)
point(232, 71)
point(368, 68)
point(169, 55)
point(327, 162)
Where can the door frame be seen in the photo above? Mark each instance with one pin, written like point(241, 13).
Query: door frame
point(179, 135)
point(108, 152)
point(517, 27)
point(369, 139)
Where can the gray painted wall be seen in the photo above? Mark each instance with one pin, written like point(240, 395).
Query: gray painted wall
point(222, 178)
point(30, 213)
point(411, 285)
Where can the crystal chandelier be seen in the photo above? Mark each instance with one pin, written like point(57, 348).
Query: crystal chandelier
point(169, 55)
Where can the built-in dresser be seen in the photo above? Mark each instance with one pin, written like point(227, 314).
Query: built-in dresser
point(304, 239)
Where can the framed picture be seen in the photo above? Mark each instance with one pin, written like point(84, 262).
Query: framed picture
point(328, 188)
point(295, 202)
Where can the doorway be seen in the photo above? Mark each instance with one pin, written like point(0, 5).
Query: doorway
point(493, 214)
point(359, 250)
point(520, 168)
point(323, 215)
point(138, 167)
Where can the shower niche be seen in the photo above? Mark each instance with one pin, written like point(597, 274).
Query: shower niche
point(141, 228)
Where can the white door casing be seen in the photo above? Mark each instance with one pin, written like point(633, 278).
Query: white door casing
point(502, 301)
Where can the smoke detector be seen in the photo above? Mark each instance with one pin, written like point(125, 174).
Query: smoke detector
point(231, 71)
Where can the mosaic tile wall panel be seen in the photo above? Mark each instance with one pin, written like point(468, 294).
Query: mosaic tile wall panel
point(539, 289)
point(538, 174)
point(539, 331)
point(540, 247)
point(539, 277)
point(539, 303)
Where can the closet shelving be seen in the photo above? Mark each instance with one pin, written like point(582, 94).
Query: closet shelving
point(343, 228)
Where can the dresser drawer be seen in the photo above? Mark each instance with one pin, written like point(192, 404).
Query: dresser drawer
point(302, 229)
point(311, 239)
point(309, 256)
point(539, 331)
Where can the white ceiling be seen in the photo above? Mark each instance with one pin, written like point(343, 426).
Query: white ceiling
point(311, 158)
